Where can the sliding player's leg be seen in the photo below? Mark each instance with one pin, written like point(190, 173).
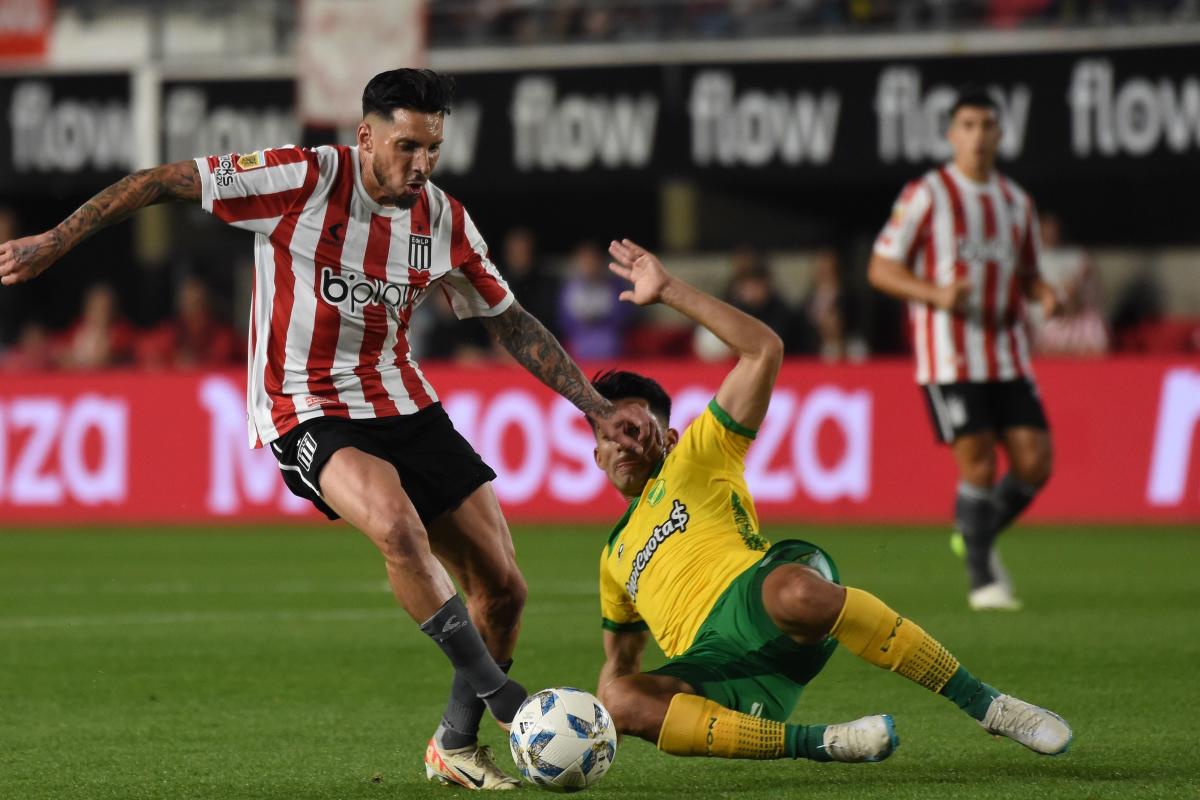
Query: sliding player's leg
point(732, 692)
point(802, 603)
point(670, 712)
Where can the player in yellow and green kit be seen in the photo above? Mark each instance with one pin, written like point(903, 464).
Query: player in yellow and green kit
point(745, 624)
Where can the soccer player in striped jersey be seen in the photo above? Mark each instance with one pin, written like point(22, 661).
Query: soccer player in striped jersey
point(348, 240)
point(745, 624)
point(962, 248)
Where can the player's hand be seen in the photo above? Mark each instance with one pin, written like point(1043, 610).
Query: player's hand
point(953, 297)
point(632, 427)
point(1048, 298)
point(24, 259)
point(641, 268)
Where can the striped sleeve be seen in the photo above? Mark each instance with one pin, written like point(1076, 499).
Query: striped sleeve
point(254, 190)
point(478, 288)
point(908, 226)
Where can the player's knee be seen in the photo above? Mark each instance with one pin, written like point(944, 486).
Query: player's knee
point(1035, 465)
point(979, 472)
point(400, 540)
point(802, 603)
point(631, 708)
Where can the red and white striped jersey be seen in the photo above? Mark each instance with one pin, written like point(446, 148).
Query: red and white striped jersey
point(337, 277)
point(946, 227)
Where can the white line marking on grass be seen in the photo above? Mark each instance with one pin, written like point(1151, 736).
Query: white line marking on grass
point(201, 618)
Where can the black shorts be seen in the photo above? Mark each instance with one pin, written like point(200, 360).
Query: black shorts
point(957, 409)
point(437, 466)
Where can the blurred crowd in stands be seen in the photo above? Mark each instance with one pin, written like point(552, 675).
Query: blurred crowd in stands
point(827, 312)
point(474, 22)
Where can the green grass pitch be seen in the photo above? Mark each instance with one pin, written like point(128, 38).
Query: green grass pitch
point(272, 663)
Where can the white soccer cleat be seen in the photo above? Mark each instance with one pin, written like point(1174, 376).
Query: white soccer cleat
point(867, 739)
point(1039, 729)
point(998, 570)
point(473, 767)
point(993, 597)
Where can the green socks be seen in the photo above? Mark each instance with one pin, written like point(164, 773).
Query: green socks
point(969, 693)
point(805, 741)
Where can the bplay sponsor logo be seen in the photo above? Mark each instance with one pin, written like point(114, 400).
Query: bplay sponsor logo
point(352, 291)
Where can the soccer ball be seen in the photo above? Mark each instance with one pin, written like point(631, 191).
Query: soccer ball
point(563, 739)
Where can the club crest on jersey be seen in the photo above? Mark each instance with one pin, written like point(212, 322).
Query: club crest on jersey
point(353, 292)
point(676, 522)
point(657, 492)
point(420, 252)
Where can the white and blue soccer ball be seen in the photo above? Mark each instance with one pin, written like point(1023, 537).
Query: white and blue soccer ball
point(563, 739)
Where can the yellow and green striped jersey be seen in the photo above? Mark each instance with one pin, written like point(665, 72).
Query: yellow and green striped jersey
point(683, 541)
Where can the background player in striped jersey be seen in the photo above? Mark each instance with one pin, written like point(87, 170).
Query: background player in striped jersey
point(962, 247)
point(746, 625)
point(348, 241)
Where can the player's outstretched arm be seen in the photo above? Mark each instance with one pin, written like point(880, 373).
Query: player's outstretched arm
point(536, 349)
point(24, 259)
point(892, 277)
point(622, 656)
point(746, 391)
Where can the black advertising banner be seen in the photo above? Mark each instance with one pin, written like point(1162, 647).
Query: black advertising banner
point(1119, 112)
point(213, 117)
point(1106, 137)
point(62, 131)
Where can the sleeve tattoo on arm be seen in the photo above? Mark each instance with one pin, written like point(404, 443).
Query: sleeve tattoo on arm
point(179, 181)
point(536, 349)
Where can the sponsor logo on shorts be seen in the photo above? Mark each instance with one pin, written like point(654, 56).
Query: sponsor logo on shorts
point(306, 450)
point(956, 409)
point(676, 522)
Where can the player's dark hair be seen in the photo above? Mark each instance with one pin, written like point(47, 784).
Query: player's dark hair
point(620, 385)
point(414, 89)
point(972, 96)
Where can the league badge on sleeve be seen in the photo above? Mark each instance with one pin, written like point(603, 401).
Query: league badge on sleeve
point(251, 161)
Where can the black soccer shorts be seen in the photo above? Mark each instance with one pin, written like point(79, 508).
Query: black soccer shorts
point(438, 467)
point(957, 409)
